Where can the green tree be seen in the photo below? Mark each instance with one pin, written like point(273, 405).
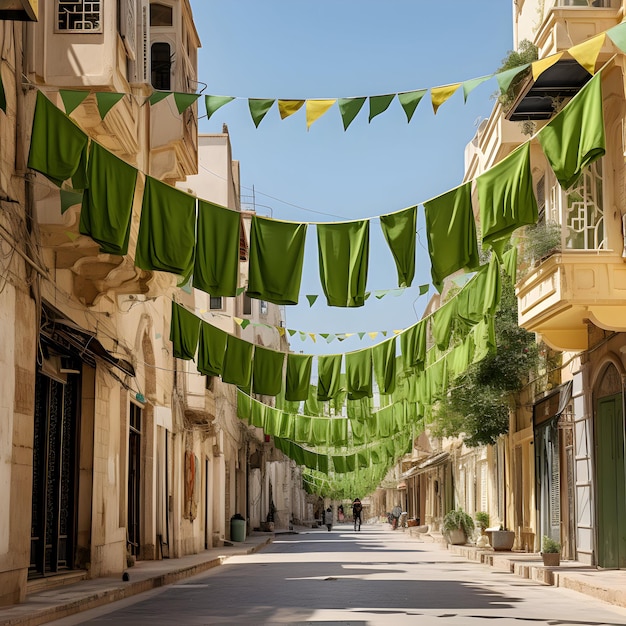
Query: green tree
point(478, 403)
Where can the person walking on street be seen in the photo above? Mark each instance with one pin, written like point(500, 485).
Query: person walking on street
point(328, 518)
point(357, 509)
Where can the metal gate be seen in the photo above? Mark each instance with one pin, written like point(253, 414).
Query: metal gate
point(53, 521)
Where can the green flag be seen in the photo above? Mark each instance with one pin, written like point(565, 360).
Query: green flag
point(349, 109)
point(399, 230)
point(259, 109)
point(379, 104)
point(213, 103)
point(106, 101)
point(72, 98)
point(409, 101)
point(184, 332)
point(184, 100)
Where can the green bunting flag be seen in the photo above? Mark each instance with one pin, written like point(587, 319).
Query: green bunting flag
point(259, 108)
point(72, 99)
point(399, 230)
point(409, 101)
point(184, 100)
point(157, 96)
point(379, 104)
point(106, 101)
point(506, 78)
point(213, 103)
point(470, 85)
point(349, 109)
point(70, 198)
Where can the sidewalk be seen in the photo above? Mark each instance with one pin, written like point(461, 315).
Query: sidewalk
point(606, 585)
point(52, 604)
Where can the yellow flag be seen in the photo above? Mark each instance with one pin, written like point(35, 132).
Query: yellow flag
point(373, 335)
point(539, 67)
point(439, 95)
point(313, 337)
point(281, 330)
point(397, 332)
point(349, 335)
point(238, 321)
point(289, 107)
point(586, 53)
point(315, 109)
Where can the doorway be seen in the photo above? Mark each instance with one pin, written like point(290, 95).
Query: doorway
point(53, 511)
point(134, 477)
point(610, 473)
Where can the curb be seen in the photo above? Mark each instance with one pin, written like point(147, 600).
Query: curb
point(101, 598)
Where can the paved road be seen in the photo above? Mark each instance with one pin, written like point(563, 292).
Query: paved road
point(373, 577)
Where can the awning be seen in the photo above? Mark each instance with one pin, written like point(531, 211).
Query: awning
point(82, 343)
point(552, 405)
point(432, 461)
point(563, 80)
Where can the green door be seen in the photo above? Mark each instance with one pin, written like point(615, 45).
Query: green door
point(611, 482)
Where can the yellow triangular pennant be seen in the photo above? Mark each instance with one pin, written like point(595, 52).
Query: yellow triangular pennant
point(238, 321)
point(439, 95)
point(313, 337)
point(289, 107)
point(315, 109)
point(281, 331)
point(373, 335)
point(586, 53)
point(539, 67)
point(349, 335)
point(397, 332)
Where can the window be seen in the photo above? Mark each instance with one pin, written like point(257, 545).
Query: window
point(581, 210)
point(161, 15)
point(79, 16)
point(247, 304)
point(161, 66)
point(215, 303)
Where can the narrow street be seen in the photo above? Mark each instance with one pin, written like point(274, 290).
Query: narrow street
point(377, 576)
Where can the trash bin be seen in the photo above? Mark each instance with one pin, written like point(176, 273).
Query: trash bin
point(237, 528)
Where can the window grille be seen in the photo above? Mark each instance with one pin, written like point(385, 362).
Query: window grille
point(79, 16)
point(581, 210)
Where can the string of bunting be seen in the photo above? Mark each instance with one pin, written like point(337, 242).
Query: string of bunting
point(586, 54)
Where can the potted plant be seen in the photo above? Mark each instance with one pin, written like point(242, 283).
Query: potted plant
point(458, 526)
point(550, 552)
point(482, 522)
point(502, 539)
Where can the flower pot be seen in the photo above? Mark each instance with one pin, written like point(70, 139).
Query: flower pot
point(551, 559)
point(457, 537)
point(502, 540)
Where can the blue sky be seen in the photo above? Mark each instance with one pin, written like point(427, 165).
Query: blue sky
point(291, 49)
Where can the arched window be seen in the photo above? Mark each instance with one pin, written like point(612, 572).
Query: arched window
point(161, 15)
point(161, 66)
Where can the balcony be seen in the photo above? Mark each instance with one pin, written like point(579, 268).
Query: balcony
point(198, 400)
point(568, 290)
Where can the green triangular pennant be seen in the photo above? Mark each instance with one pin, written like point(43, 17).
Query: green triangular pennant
point(383, 333)
point(157, 96)
point(617, 35)
point(213, 103)
point(349, 109)
point(302, 336)
point(506, 78)
point(72, 99)
point(240, 290)
point(424, 289)
point(106, 101)
point(470, 85)
point(291, 332)
point(70, 198)
point(324, 335)
point(184, 100)
point(380, 294)
point(367, 295)
point(361, 335)
point(259, 108)
point(245, 323)
point(311, 299)
point(409, 101)
point(379, 104)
